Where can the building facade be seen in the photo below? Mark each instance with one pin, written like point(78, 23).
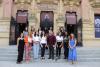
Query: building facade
point(81, 17)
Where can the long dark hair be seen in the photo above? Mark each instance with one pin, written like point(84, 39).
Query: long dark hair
point(32, 27)
point(61, 34)
point(42, 34)
point(20, 35)
point(35, 33)
point(25, 29)
point(67, 34)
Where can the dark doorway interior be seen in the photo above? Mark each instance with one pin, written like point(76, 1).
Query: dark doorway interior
point(21, 28)
point(71, 29)
point(46, 20)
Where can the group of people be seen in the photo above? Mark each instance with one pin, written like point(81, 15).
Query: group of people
point(46, 39)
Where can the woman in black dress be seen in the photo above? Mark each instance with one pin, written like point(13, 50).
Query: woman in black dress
point(20, 48)
point(66, 46)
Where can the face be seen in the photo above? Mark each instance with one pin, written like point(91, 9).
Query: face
point(22, 35)
point(51, 33)
point(50, 28)
point(29, 33)
point(32, 29)
point(61, 28)
point(36, 33)
point(72, 35)
point(60, 33)
point(39, 28)
point(66, 33)
point(45, 28)
point(43, 32)
point(26, 28)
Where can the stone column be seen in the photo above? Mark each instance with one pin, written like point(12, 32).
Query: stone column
point(32, 19)
point(38, 17)
point(55, 22)
point(60, 20)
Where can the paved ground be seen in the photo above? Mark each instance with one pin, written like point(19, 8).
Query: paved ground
point(35, 64)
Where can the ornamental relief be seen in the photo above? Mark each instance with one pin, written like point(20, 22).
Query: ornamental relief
point(95, 3)
point(47, 7)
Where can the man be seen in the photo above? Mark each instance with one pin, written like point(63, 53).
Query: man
point(51, 39)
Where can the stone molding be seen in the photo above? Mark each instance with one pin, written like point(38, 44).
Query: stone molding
point(95, 3)
point(0, 1)
point(71, 3)
point(22, 3)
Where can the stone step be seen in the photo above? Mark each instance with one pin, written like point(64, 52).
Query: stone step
point(78, 56)
point(49, 60)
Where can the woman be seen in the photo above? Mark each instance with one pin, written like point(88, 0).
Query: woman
point(59, 42)
point(72, 49)
point(39, 31)
point(33, 31)
point(66, 46)
point(36, 40)
point(28, 42)
point(20, 48)
point(43, 43)
point(58, 33)
point(63, 32)
point(46, 31)
point(25, 32)
point(51, 30)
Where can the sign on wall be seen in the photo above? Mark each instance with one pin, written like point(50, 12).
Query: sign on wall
point(71, 18)
point(3, 28)
point(97, 26)
point(22, 17)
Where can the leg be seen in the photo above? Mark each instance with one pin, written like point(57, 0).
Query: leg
point(43, 49)
point(56, 52)
point(52, 52)
point(19, 55)
point(74, 63)
point(59, 51)
point(41, 52)
point(37, 50)
point(34, 50)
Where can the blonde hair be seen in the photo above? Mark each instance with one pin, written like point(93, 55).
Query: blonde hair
point(30, 34)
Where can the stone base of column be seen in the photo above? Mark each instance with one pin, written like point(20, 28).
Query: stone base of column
point(60, 22)
point(32, 22)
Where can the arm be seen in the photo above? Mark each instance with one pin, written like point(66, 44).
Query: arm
point(75, 43)
point(69, 44)
point(40, 40)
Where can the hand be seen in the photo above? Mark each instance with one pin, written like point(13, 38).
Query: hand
point(68, 47)
point(17, 49)
point(46, 45)
point(53, 45)
point(36, 42)
point(60, 46)
point(71, 48)
point(57, 46)
point(41, 46)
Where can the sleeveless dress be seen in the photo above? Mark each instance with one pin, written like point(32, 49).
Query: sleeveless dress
point(20, 50)
point(72, 53)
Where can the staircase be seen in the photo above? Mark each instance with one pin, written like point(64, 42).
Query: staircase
point(84, 54)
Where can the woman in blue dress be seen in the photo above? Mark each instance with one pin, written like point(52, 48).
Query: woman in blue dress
point(72, 49)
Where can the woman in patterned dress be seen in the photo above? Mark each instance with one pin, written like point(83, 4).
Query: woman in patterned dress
point(28, 41)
